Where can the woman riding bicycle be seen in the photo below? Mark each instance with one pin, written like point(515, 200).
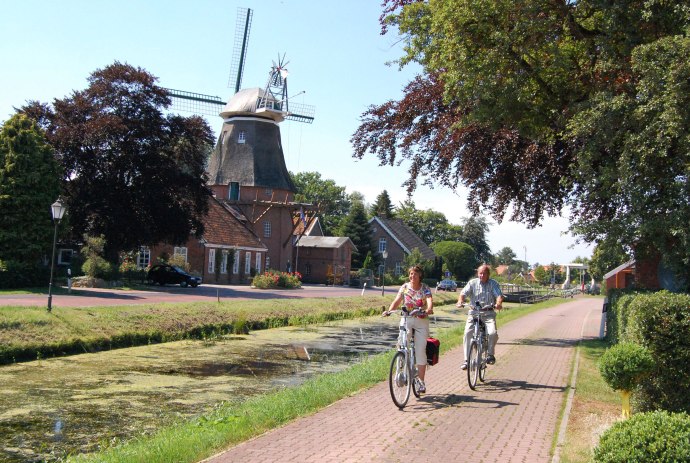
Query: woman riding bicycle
point(487, 292)
point(413, 295)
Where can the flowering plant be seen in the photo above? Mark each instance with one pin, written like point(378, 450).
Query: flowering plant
point(275, 279)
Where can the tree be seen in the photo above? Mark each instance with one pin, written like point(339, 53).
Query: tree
point(536, 106)
point(130, 173)
point(607, 255)
point(429, 225)
point(332, 200)
point(460, 258)
point(415, 257)
point(541, 275)
point(474, 230)
point(29, 184)
point(505, 256)
point(382, 207)
point(356, 226)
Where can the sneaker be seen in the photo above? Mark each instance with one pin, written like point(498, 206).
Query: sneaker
point(421, 387)
point(464, 365)
point(491, 360)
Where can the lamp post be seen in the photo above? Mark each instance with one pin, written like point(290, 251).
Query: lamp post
point(383, 273)
point(58, 210)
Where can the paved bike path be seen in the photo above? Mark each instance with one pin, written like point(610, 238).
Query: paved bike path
point(516, 410)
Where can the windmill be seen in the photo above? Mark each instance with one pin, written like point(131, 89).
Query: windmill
point(247, 170)
point(210, 105)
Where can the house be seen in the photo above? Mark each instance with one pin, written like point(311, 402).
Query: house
point(324, 259)
point(398, 240)
point(229, 252)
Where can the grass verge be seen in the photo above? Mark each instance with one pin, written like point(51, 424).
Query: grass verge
point(595, 406)
point(231, 423)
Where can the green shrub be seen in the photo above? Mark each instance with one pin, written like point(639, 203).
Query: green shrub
point(658, 437)
point(661, 322)
point(276, 279)
point(624, 365)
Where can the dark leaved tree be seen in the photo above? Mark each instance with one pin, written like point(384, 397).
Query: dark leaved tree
point(131, 173)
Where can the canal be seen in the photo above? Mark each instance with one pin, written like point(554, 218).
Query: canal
point(54, 407)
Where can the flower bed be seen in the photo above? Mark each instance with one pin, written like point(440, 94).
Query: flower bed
point(274, 279)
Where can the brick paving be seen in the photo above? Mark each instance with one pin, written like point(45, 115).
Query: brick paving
point(513, 417)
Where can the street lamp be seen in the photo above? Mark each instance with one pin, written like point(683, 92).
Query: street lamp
point(58, 210)
point(383, 273)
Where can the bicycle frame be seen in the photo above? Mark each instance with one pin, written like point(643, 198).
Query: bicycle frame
point(403, 371)
point(478, 352)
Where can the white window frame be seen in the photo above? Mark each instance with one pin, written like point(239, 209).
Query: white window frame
point(398, 268)
point(224, 262)
point(143, 257)
point(181, 251)
point(247, 263)
point(258, 262)
point(267, 229)
point(211, 261)
point(242, 137)
point(236, 263)
point(268, 262)
point(382, 244)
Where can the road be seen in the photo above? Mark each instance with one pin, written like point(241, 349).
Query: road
point(88, 297)
point(513, 417)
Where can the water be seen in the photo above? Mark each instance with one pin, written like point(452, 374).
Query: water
point(50, 408)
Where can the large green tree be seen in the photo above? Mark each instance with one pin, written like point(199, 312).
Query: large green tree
point(131, 173)
point(382, 207)
point(474, 230)
point(607, 255)
point(460, 258)
point(29, 184)
point(431, 226)
point(355, 225)
point(331, 199)
point(534, 106)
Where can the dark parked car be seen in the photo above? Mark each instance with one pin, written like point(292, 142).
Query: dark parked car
point(447, 285)
point(164, 274)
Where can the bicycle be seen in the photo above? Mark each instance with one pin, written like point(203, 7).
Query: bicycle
point(479, 347)
point(402, 377)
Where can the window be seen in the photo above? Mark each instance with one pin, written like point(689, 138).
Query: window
point(65, 256)
point(398, 268)
point(211, 260)
point(268, 191)
point(307, 269)
point(182, 251)
point(222, 138)
point(224, 262)
point(382, 244)
point(267, 229)
point(234, 191)
point(247, 263)
point(268, 262)
point(144, 257)
point(258, 262)
point(242, 137)
point(236, 263)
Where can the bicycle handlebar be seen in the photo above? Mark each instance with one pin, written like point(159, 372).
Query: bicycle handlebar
point(415, 312)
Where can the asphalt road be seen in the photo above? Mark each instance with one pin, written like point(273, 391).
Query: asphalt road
point(88, 297)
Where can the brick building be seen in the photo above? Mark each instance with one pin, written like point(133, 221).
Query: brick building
point(393, 236)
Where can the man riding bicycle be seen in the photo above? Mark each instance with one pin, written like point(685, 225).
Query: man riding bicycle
point(487, 292)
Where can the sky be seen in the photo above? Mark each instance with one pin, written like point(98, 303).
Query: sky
point(335, 55)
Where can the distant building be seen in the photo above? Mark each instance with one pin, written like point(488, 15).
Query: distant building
point(324, 259)
point(393, 236)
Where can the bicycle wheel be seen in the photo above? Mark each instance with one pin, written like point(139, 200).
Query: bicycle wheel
point(415, 390)
point(482, 363)
point(473, 365)
point(400, 380)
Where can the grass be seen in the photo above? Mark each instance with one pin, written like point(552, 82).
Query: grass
point(232, 423)
point(27, 333)
point(595, 406)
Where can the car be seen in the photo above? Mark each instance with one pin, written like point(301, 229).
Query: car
point(447, 285)
point(171, 274)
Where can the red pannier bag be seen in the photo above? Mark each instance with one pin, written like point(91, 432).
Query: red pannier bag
point(433, 347)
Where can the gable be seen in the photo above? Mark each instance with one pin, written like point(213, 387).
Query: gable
point(404, 236)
